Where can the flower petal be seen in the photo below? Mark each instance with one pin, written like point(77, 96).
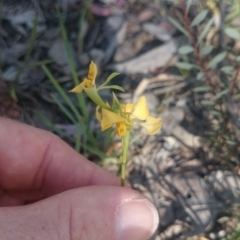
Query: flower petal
point(152, 125)
point(88, 83)
point(109, 118)
point(98, 115)
point(121, 129)
point(78, 88)
point(127, 108)
point(92, 72)
point(141, 111)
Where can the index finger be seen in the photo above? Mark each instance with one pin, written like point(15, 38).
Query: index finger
point(32, 159)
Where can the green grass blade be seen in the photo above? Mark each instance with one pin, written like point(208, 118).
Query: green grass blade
point(33, 37)
point(67, 113)
point(80, 97)
point(49, 124)
point(78, 138)
point(80, 23)
point(61, 91)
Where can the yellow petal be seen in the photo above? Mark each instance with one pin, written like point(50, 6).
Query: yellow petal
point(109, 118)
point(88, 83)
point(141, 111)
point(92, 72)
point(152, 125)
point(78, 88)
point(127, 108)
point(97, 113)
point(121, 129)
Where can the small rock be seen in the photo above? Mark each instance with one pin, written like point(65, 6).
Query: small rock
point(155, 58)
point(121, 33)
point(10, 55)
point(157, 31)
point(222, 234)
point(194, 199)
point(10, 74)
point(145, 15)
point(134, 27)
point(152, 102)
point(223, 220)
point(84, 59)
point(27, 19)
point(212, 236)
point(115, 22)
point(166, 213)
point(58, 52)
point(171, 117)
point(97, 55)
point(123, 52)
point(225, 184)
point(186, 137)
point(170, 143)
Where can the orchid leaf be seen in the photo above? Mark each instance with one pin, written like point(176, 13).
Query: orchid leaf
point(110, 77)
point(112, 87)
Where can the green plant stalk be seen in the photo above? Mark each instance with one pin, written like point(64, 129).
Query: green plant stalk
point(80, 97)
point(125, 144)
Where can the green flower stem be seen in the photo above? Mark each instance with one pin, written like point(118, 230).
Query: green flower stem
point(125, 144)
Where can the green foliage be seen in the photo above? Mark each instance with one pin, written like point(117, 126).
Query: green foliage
point(205, 30)
point(185, 49)
point(215, 66)
point(205, 50)
point(232, 33)
point(185, 65)
point(84, 139)
point(178, 25)
point(236, 234)
point(217, 59)
point(199, 18)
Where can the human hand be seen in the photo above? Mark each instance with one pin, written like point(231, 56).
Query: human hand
point(49, 191)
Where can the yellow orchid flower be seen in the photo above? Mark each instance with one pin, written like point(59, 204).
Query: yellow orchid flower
point(108, 118)
point(130, 114)
point(88, 82)
point(139, 111)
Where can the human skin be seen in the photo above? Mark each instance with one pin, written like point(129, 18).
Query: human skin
point(49, 191)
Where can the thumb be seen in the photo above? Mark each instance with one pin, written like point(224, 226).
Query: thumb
point(89, 213)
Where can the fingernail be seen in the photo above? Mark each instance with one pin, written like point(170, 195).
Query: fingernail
point(136, 219)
